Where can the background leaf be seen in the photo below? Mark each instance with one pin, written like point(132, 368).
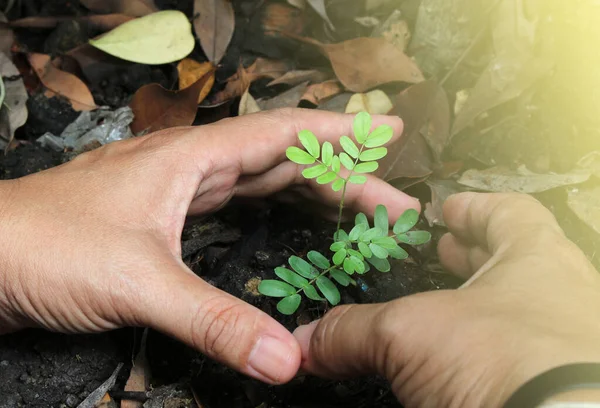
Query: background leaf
point(289, 305)
point(158, 38)
point(214, 27)
point(329, 290)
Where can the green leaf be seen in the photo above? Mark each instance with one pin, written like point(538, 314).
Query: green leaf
point(340, 277)
point(326, 178)
point(353, 252)
point(291, 277)
point(275, 288)
point(378, 251)
point(381, 219)
point(299, 156)
point(349, 266)
point(415, 237)
point(329, 290)
point(349, 146)
point(406, 221)
point(347, 161)
point(385, 242)
point(314, 171)
point(338, 185)
point(335, 164)
point(158, 38)
point(359, 265)
point(327, 153)
point(397, 252)
point(340, 235)
point(318, 259)
point(302, 267)
point(382, 265)
point(357, 232)
point(361, 218)
point(336, 246)
point(366, 167)
point(312, 293)
point(370, 234)
point(380, 136)
point(362, 126)
point(310, 143)
point(357, 179)
point(289, 305)
point(339, 256)
point(374, 154)
point(365, 250)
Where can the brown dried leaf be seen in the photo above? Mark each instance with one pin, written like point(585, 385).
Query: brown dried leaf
point(139, 376)
point(157, 108)
point(288, 99)
point(375, 102)
point(336, 104)
point(318, 93)
point(134, 8)
point(191, 70)
point(103, 22)
point(13, 111)
point(395, 29)
point(294, 78)
point(365, 63)
point(248, 104)
point(96, 65)
point(62, 83)
point(214, 27)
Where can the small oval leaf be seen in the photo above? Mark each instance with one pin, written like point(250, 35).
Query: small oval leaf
point(406, 221)
point(365, 250)
point(357, 179)
point(302, 267)
point(336, 246)
point(373, 154)
point(385, 242)
point(362, 126)
point(339, 256)
point(340, 235)
point(381, 219)
point(382, 265)
point(361, 218)
point(310, 143)
point(329, 290)
point(327, 153)
point(340, 277)
point(299, 156)
point(289, 305)
point(347, 161)
point(380, 136)
point(366, 167)
point(415, 237)
point(312, 293)
point(359, 265)
point(349, 146)
point(291, 277)
point(357, 232)
point(371, 234)
point(397, 252)
point(275, 288)
point(338, 185)
point(326, 178)
point(349, 266)
point(315, 171)
point(336, 164)
point(378, 251)
point(318, 259)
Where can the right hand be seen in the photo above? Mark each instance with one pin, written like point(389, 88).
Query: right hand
point(531, 303)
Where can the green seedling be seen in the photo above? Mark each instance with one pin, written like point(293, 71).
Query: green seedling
point(365, 245)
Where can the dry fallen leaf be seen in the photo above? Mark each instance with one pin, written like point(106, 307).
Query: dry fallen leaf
point(395, 29)
point(336, 104)
point(318, 93)
point(375, 102)
point(157, 108)
point(521, 180)
point(134, 8)
point(248, 104)
point(585, 203)
point(288, 99)
point(7, 37)
point(319, 7)
point(362, 64)
point(102, 22)
point(440, 191)
point(62, 83)
point(238, 83)
point(191, 70)
point(214, 27)
point(296, 77)
point(96, 65)
point(13, 109)
point(139, 376)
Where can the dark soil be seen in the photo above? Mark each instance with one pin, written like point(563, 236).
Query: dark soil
point(230, 250)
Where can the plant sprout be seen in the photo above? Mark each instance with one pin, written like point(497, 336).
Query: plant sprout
point(354, 252)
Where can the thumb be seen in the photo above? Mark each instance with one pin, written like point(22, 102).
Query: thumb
point(180, 304)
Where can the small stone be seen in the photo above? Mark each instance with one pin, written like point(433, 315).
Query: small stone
point(72, 401)
point(4, 363)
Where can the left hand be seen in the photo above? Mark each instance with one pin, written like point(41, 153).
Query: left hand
point(94, 244)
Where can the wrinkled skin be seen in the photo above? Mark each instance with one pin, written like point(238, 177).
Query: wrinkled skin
point(531, 302)
point(94, 244)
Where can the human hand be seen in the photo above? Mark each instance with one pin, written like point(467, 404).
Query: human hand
point(531, 302)
point(95, 244)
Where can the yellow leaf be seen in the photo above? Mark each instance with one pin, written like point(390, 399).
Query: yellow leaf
point(375, 102)
point(158, 38)
point(191, 71)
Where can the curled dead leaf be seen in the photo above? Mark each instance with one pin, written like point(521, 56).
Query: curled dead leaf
point(318, 93)
point(296, 77)
point(62, 83)
point(288, 99)
point(13, 108)
point(157, 108)
point(214, 27)
point(248, 104)
point(375, 102)
point(191, 71)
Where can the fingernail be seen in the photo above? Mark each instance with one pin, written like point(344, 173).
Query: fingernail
point(270, 358)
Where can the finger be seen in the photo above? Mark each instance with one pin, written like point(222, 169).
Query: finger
point(182, 305)
point(257, 142)
point(360, 198)
point(497, 221)
point(459, 258)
